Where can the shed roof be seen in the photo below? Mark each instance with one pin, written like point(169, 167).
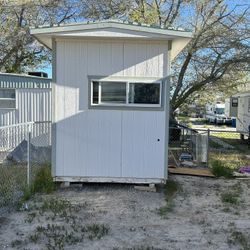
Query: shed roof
point(18, 81)
point(113, 29)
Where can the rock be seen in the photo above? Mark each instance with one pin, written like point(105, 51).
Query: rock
point(38, 154)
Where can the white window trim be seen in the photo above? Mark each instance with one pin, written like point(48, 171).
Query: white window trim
point(9, 99)
point(127, 104)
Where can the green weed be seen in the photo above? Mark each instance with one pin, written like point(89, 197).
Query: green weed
point(97, 231)
point(230, 197)
point(171, 188)
point(239, 238)
point(219, 169)
point(43, 182)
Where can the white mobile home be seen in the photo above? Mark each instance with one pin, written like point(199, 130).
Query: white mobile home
point(111, 100)
point(239, 107)
point(24, 98)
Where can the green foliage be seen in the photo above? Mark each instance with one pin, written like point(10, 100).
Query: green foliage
point(219, 169)
point(230, 197)
point(171, 188)
point(12, 180)
point(239, 238)
point(97, 231)
point(43, 181)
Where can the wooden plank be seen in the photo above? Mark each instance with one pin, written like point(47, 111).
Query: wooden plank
point(191, 171)
point(109, 180)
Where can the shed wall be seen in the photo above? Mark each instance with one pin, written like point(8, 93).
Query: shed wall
point(107, 143)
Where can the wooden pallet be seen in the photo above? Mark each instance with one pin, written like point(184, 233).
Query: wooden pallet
point(191, 171)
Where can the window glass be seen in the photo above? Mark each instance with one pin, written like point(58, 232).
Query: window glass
point(95, 99)
point(235, 102)
point(220, 111)
point(7, 94)
point(144, 93)
point(113, 92)
point(7, 104)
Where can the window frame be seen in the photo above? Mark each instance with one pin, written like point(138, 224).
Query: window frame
point(8, 99)
point(127, 82)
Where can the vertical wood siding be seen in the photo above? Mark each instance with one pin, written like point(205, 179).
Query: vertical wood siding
point(31, 105)
point(107, 143)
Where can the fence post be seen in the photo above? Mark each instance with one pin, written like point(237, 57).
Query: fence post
point(208, 148)
point(28, 156)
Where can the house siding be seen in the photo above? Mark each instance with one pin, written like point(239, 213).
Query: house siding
point(107, 143)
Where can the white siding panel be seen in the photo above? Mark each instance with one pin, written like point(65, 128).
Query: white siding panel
point(143, 154)
point(105, 58)
point(130, 59)
point(93, 58)
point(141, 56)
point(117, 65)
point(152, 60)
point(162, 59)
point(31, 105)
point(103, 142)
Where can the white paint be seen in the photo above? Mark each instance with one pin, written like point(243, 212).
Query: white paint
point(243, 114)
point(31, 105)
point(107, 144)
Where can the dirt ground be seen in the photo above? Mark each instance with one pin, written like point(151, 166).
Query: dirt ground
point(205, 213)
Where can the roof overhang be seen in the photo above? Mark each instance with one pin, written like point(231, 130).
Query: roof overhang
point(111, 30)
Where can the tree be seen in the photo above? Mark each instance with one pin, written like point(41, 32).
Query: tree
point(219, 52)
point(18, 49)
point(220, 48)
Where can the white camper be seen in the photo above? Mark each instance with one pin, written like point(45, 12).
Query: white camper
point(239, 107)
point(111, 100)
point(215, 113)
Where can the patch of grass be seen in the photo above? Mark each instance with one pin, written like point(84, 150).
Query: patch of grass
point(230, 197)
point(239, 238)
point(214, 144)
point(56, 206)
point(171, 188)
point(16, 243)
point(230, 160)
point(12, 181)
point(64, 227)
point(220, 170)
point(43, 182)
point(97, 231)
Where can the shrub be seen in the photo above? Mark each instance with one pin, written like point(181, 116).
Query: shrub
point(43, 181)
point(219, 170)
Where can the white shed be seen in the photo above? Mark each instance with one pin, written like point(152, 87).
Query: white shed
point(111, 100)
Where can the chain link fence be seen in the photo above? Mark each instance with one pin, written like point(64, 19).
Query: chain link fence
point(188, 146)
point(24, 148)
point(200, 147)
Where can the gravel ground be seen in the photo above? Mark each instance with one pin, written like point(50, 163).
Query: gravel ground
point(199, 218)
